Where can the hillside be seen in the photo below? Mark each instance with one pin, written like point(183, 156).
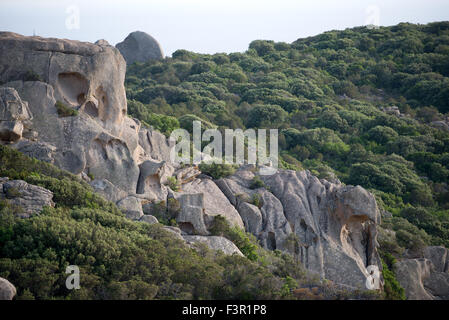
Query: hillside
point(86, 179)
point(359, 105)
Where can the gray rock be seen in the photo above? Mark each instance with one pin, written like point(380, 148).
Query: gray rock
point(426, 277)
point(215, 243)
point(30, 199)
point(251, 216)
point(175, 232)
point(187, 174)
point(442, 125)
point(215, 202)
point(7, 290)
point(411, 274)
point(40, 150)
point(131, 207)
point(439, 256)
point(85, 76)
point(101, 140)
point(437, 285)
point(333, 226)
point(149, 219)
point(139, 46)
point(14, 115)
point(191, 216)
point(102, 42)
point(153, 174)
point(108, 190)
point(155, 144)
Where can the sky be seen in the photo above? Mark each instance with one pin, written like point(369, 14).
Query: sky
point(208, 26)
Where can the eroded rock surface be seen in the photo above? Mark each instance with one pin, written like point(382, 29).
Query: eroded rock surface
point(64, 102)
point(331, 227)
point(15, 115)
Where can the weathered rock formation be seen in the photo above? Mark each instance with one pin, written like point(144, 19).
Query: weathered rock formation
point(7, 290)
point(140, 47)
point(426, 277)
point(98, 140)
point(28, 198)
point(331, 227)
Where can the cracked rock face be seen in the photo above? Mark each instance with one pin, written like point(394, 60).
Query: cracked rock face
point(215, 243)
point(333, 227)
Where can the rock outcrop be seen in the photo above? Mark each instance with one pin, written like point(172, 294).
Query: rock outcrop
point(64, 102)
point(330, 227)
point(215, 202)
point(426, 277)
point(215, 243)
point(132, 207)
point(7, 290)
point(139, 46)
point(28, 198)
point(14, 115)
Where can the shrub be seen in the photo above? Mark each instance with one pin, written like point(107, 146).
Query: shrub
point(173, 183)
point(64, 110)
point(31, 75)
point(220, 226)
point(256, 183)
point(12, 193)
point(392, 288)
point(257, 200)
point(217, 171)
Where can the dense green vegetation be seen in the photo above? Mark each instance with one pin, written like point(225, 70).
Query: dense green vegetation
point(122, 259)
point(328, 95)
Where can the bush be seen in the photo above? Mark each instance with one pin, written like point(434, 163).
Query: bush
point(256, 183)
point(64, 110)
point(173, 183)
point(31, 75)
point(392, 288)
point(217, 171)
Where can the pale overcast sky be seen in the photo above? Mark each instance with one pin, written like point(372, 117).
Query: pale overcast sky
point(208, 26)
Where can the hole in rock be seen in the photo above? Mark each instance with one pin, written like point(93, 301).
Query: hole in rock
point(271, 241)
point(91, 109)
point(81, 98)
point(73, 86)
point(186, 227)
